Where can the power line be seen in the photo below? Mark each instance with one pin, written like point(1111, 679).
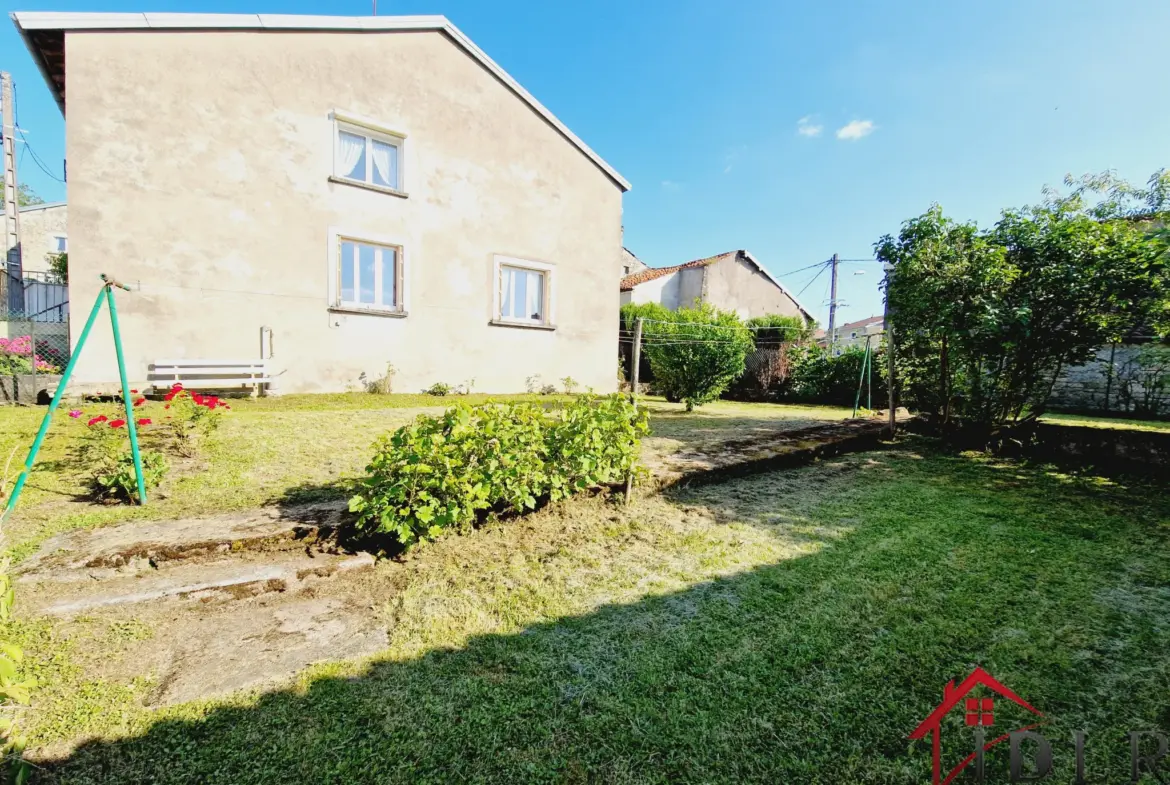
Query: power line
point(24, 137)
point(824, 266)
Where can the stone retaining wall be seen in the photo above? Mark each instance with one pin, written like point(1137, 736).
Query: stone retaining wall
point(1129, 378)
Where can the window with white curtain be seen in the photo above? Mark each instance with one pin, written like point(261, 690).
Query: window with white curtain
point(368, 275)
point(524, 292)
point(365, 155)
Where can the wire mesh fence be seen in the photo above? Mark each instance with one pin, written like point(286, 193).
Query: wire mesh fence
point(34, 335)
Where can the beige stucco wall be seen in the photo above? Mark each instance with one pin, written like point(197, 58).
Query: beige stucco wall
point(38, 228)
point(198, 167)
point(736, 285)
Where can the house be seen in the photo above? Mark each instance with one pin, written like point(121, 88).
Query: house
point(630, 263)
point(42, 235)
point(372, 190)
point(853, 335)
point(732, 281)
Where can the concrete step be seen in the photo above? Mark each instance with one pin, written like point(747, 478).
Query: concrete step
point(83, 590)
point(144, 547)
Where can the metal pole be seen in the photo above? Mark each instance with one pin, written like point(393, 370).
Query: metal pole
point(889, 325)
point(32, 337)
point(126, 400)
point(637, 355)
point(12, 249)
point(833, 305)
point(48, 418)
point(869, 376)
point(861, 377)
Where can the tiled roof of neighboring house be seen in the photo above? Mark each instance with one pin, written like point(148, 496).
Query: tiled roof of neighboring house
point(632, 280)
point(44, 35)
point(650, 273)
point(862, 323)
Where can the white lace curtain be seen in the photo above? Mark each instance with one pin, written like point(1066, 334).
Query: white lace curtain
point(351, 149)
point(523, 294)
point(385, 164)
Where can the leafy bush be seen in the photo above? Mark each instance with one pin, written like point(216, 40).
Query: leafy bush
point(439, 389)
point(570, 385)
point(548, 389)
point(775, 327)
point(817, 376)
point(192, 418)
point(440, 473)
point(14, 691)
point(104, 455)
point(697, 354)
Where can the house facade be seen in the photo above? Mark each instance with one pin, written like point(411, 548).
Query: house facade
point(372, 190)
point(43, 234)
point(732, 281)
point(853, 335)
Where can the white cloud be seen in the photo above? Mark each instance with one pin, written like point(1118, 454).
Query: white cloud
point(807, 126)
point(855, 130)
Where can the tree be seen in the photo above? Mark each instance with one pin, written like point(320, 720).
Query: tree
point(59, 267)
point(986, 321)
point(26, 196)
point(697, 353)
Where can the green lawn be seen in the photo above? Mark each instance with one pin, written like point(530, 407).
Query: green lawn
point(790, 627)
point(1093, 421)
point(288, 449)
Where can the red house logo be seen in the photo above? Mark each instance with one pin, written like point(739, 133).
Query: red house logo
point(978, 712)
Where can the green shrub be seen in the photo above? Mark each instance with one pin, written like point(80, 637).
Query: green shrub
point(570, 384)
point(697, 354)
point(440, 473)
point(103, 454)
point(438, 389)
point(14, 692)
point(191, 418)
point(379, 385)
point(817, 376)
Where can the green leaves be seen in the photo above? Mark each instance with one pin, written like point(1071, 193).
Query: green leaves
point(442, 472)
point(697, 352)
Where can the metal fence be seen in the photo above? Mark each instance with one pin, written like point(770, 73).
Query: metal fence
point(34, 334)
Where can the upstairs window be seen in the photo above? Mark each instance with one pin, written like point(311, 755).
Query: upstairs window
point(58, 243)
point(368, 156)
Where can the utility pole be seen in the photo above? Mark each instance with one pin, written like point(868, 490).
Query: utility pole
point(889, 325)
point(833, 304)
point(11, 191)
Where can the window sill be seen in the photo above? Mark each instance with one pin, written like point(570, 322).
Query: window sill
point(369, 186)
point(347, 309)
point(522, 325)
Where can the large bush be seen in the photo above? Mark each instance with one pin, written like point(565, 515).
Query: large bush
point(985, 321)
point(697, 353)
point(440, 473)
point(815, 375)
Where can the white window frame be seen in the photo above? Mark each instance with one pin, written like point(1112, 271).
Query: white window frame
point(370, 130)
point(53, 238)
point(338, 235)
point(550, 291)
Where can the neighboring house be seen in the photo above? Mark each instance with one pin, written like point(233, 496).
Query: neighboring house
point(732, 281)
point(372, 189)
point(42, 234)
point(853, 335)
point(630, 263)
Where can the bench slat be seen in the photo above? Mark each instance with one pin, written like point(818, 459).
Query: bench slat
point(211, 383)
point(185, 363)
point(208, 371)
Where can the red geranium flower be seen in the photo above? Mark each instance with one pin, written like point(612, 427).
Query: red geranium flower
point(117, 423)
point(168, 405)
point(134, 391)
point(139, 401)
point(143, 421)
point(96, 420)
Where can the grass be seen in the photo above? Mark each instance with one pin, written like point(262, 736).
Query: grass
point(1093, 421)
point(286, 449)
point(791, 627)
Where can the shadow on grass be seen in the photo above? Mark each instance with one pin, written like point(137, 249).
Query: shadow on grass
point(810, 670)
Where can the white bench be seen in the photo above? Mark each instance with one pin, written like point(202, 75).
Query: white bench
point(209, 374)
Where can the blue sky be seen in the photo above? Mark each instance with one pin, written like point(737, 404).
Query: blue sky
point(699, 105)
